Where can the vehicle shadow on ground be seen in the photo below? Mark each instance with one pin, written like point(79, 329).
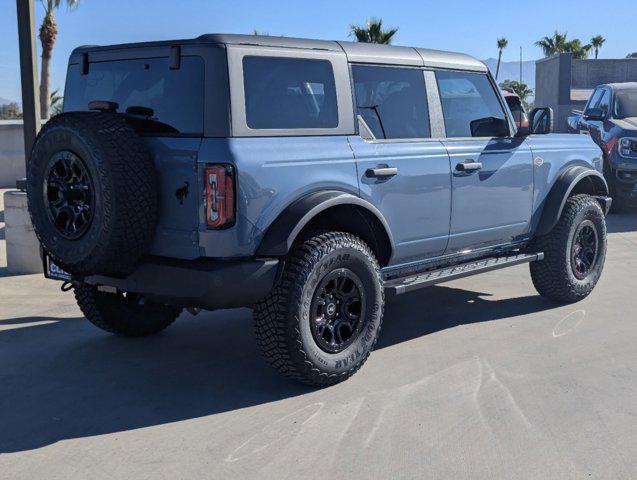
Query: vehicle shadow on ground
point(622, 222)
point(66, 379)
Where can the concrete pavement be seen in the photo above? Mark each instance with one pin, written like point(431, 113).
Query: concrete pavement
point(475, 379)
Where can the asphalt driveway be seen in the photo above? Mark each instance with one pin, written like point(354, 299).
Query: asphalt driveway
point(478, 378)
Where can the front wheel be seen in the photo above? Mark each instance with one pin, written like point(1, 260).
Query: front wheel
point(574, 252)
point(322, 320)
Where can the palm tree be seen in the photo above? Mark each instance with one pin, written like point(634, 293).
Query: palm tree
point(579, 51)
point(56, 101)
point(596, 42)
point(520, 88)
point(502, 44)
point(553, 44)
point(48, 35)
point(557, 43)
point(373, 32)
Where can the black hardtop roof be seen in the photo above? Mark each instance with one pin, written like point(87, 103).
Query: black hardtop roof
point(356, 52)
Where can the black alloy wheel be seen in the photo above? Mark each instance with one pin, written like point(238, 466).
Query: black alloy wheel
point(337, 312)
point(68, 194)
point(584, 251)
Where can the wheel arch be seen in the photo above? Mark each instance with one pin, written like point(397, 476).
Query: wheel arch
point(575, 180)
point(334, 210)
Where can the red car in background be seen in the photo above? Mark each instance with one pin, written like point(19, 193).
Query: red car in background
point(516, 106)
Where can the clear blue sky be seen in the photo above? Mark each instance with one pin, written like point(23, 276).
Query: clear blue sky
point(460, 25)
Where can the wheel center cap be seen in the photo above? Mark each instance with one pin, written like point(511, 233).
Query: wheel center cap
point(331, 309)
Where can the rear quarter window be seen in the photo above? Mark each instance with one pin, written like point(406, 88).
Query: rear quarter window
point(289, 93)
point(176, 97)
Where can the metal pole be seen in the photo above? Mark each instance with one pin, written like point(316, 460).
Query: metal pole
point(28, 73)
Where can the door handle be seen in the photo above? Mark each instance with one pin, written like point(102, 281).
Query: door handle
point(469, 166)
point(381, 172)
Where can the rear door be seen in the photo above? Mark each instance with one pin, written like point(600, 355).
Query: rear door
point(492, 172)
point(402, 171)
point(165, 105)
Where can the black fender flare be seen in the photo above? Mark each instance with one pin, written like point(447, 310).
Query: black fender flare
point(562, 189)
point(282, 232)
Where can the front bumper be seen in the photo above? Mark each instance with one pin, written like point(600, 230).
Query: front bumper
point(204, 283)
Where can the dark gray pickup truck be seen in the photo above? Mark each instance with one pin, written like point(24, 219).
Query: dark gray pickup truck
point(305, 179)
point(610, 117)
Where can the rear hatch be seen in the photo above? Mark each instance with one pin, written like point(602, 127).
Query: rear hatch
point(164, 101)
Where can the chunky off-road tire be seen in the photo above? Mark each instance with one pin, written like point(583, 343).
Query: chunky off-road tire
point(563, 276)
point(92, 190)
point(127, 315)
point(286, 335)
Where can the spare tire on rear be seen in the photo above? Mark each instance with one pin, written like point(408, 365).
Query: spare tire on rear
point(91, 185)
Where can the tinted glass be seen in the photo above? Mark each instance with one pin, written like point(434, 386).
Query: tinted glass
point(176, 97)
point(604, 102)
point(470, 105)
point(392, 101)
point(289, 93)
point(592, 102)
point(625, 104)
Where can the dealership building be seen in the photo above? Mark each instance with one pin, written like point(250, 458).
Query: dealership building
point(564, 84)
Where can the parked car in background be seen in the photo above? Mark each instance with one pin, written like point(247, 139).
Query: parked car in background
point(516, 106)
point(306, 179)
point(610, 117)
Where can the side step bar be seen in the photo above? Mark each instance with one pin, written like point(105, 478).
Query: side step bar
point(414, 282)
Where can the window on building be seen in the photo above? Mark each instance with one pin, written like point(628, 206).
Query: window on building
point(470, 105)
point(289, 93)
point(392, 101)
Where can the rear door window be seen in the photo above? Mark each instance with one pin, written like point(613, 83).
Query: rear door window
point(470, 105)
point(173, 99)
point(392, 101)
point(289, 93)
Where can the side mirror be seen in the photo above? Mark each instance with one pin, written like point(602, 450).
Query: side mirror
point(594, 114)
point(541, 121)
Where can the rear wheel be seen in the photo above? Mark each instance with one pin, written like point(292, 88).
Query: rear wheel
point(322, 320)
point(575, 251)
point(129, 314)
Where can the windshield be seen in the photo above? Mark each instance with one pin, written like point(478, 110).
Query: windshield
point(625, 104)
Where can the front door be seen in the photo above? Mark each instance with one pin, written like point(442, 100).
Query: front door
point(403, 172)
point(492, 172)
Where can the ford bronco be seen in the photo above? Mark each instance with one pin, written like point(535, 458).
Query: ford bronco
point(305, 179)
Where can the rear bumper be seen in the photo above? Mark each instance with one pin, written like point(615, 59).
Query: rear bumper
point(203, 283)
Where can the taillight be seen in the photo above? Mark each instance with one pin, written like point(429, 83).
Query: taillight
point(219, 192)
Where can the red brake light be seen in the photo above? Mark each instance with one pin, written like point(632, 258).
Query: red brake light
point(219, 193)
